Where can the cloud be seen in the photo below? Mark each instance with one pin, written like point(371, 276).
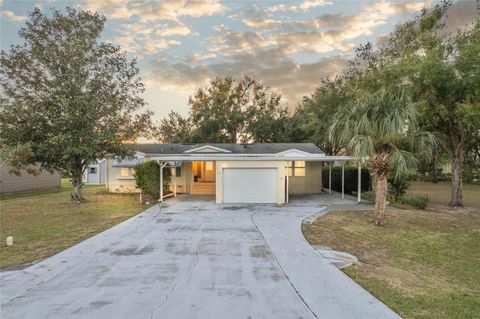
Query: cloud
point(153, 10)
point(267, 51)
point(304, 6)
point(261, 23)
point(294, 80)
point(10, 15)
point(330, 32)
point(142, 39)
point(172, 29)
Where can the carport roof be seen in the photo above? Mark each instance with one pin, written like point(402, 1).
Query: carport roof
point(255, 148)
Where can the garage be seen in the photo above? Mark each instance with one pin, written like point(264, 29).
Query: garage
point(250, 185)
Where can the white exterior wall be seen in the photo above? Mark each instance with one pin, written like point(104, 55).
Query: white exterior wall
point(117, 184)
point(279, 165)
point(185, 180)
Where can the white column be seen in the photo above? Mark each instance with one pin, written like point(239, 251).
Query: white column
point(330, 178)
point(175, 182)
point(288, 186)
point(359, 187)
point(343, 179)
point(161, 181)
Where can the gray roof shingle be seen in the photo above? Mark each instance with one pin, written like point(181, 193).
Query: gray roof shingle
point(255, 148)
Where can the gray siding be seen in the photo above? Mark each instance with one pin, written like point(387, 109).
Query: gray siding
point(10, 183)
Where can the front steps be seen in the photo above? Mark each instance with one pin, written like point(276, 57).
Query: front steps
point(203, 188)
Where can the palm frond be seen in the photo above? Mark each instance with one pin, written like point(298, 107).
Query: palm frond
point(401, 162)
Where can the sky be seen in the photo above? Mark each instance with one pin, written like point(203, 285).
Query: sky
point(181, 45)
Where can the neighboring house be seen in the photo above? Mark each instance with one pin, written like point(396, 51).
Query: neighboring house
point(10, 183)
point(96, 173)
point(234, 173)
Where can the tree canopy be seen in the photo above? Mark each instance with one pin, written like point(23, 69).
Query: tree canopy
point(69, 96)
point(231, 111)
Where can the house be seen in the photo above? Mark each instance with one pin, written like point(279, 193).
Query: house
point(234, 173)
point(11, 183)
point(96, 173)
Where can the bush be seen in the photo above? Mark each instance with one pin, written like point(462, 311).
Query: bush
point(147, 178)
point(420, 201)
point(351, 180)
point(397, 189)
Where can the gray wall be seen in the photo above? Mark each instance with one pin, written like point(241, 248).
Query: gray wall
point(10, 183)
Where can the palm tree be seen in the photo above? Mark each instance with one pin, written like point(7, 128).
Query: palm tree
point(382, 127)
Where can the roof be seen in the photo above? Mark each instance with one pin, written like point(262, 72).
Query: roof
point(255, 148)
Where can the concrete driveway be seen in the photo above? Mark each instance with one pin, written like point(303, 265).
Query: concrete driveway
point(192, 260)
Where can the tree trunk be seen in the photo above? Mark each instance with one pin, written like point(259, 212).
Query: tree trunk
point(77, 183)
point(457, 184)
point(381, 187)
point(434, 170)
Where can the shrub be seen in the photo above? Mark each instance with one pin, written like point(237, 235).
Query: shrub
point(351, 180)
point(420, 201)
point(397, 189)
point(147, 178)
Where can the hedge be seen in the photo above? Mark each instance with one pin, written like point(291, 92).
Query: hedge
point(147, 178)
point(351, 180)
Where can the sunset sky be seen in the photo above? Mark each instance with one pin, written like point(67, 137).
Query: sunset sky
point(180, 45)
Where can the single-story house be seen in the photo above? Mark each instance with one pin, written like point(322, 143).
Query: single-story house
point(11, 183)
point(234, 173)
point(96, 173)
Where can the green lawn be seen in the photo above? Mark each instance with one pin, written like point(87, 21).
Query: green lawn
point(439, 193)
point(43, 223)
point(423, 263)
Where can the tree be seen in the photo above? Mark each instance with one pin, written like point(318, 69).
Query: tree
point(69, 96)
point(442, 70)
point(322, 105)
point(448, 79)
point(174, 129)
point(230, 111)
point(382, 127)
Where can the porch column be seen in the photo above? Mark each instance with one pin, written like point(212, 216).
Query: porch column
point(161, 181)
point(343, 179)
point(288, 186)
point(359, 186)
point(330, 178)
point(175, 181)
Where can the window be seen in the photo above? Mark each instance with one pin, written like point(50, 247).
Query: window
point(124, 172)
point(93, 170)
point(296, 168)
point(209, 166)
point(178, 171)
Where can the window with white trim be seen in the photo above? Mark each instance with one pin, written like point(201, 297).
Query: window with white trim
point(93, 170)
point(125, 172)
point(296, 168)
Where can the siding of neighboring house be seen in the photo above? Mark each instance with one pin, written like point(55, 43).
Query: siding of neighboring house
point(311, 183)
point(10, 183)
point(99, 176)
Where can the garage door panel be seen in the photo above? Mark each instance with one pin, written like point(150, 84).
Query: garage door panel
point(250, 185)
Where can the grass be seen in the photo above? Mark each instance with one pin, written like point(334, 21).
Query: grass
point(43, 223)
point(423, 263)
point(439, 193)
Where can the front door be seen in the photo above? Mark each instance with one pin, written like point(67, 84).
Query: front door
point(204, 171)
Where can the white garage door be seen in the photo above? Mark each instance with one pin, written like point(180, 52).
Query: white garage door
point(250, 185)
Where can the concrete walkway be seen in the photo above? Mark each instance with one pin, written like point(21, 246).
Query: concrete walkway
point(192, 260)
